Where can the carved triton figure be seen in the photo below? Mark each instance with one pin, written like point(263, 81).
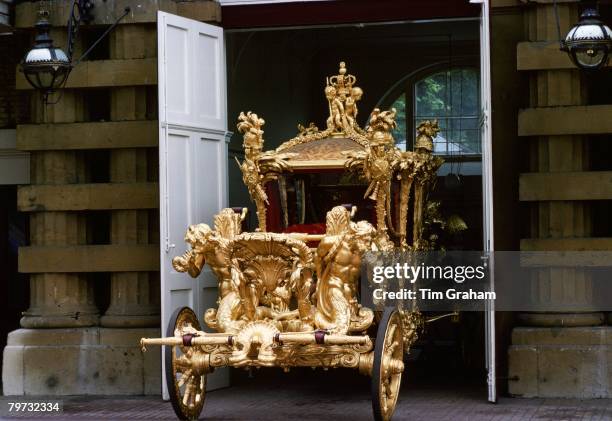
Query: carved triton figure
point(338, 262)
point(209, 246)
point(291, 298)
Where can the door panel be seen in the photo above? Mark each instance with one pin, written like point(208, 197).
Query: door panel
point(487, 192)
point(193, 156)
point(178, 102)
point(207, 65)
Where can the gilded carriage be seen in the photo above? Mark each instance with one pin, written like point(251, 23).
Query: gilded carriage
point(289, 291)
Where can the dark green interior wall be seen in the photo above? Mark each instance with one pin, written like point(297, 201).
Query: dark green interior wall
point(508, 94)
point(267, 74)
point(13, 103)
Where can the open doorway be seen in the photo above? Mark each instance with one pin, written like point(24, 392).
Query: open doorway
point(425, 70)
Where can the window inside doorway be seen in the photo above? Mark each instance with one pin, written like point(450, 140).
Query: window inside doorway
point(452, 97)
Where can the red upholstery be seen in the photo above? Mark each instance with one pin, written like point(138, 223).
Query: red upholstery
point(318, 228)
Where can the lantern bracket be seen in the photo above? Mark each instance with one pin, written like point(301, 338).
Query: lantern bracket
point(81, 11)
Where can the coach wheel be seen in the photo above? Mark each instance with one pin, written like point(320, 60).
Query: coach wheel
point(187, 388)
point(388, 365)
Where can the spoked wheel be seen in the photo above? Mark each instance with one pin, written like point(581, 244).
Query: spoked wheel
point(388, 365)
point(186, 387)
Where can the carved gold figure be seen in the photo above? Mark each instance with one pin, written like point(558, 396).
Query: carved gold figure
point(338, 262)
point(207, 246)
point(284, 302)
point(258, 167)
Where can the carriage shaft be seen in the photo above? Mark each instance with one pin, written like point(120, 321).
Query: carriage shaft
point(212, 340)
point(328, 339)
point(186, 340)
point(170, 341)
point(297, 338)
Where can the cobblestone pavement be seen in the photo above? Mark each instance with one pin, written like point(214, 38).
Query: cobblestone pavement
point(325, 401)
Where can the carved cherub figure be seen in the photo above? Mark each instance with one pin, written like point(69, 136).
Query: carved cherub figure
point(351, 106)
point(336, 108)
point(305, 131)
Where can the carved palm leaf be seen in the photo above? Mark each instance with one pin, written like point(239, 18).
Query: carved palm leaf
point(269, 270)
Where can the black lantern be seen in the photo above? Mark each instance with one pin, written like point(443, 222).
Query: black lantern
point(45, 66)
point(589, 42)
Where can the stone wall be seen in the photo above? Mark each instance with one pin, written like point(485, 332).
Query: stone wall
point(559, 354)
point(93, 258)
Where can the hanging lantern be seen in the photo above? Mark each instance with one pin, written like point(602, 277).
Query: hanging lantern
point(589, 42)
point(45, 67)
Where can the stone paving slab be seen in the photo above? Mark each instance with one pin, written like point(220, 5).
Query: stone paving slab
point(325, 401)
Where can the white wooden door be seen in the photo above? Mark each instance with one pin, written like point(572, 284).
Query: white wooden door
point(192, 156)
point(487, 191)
